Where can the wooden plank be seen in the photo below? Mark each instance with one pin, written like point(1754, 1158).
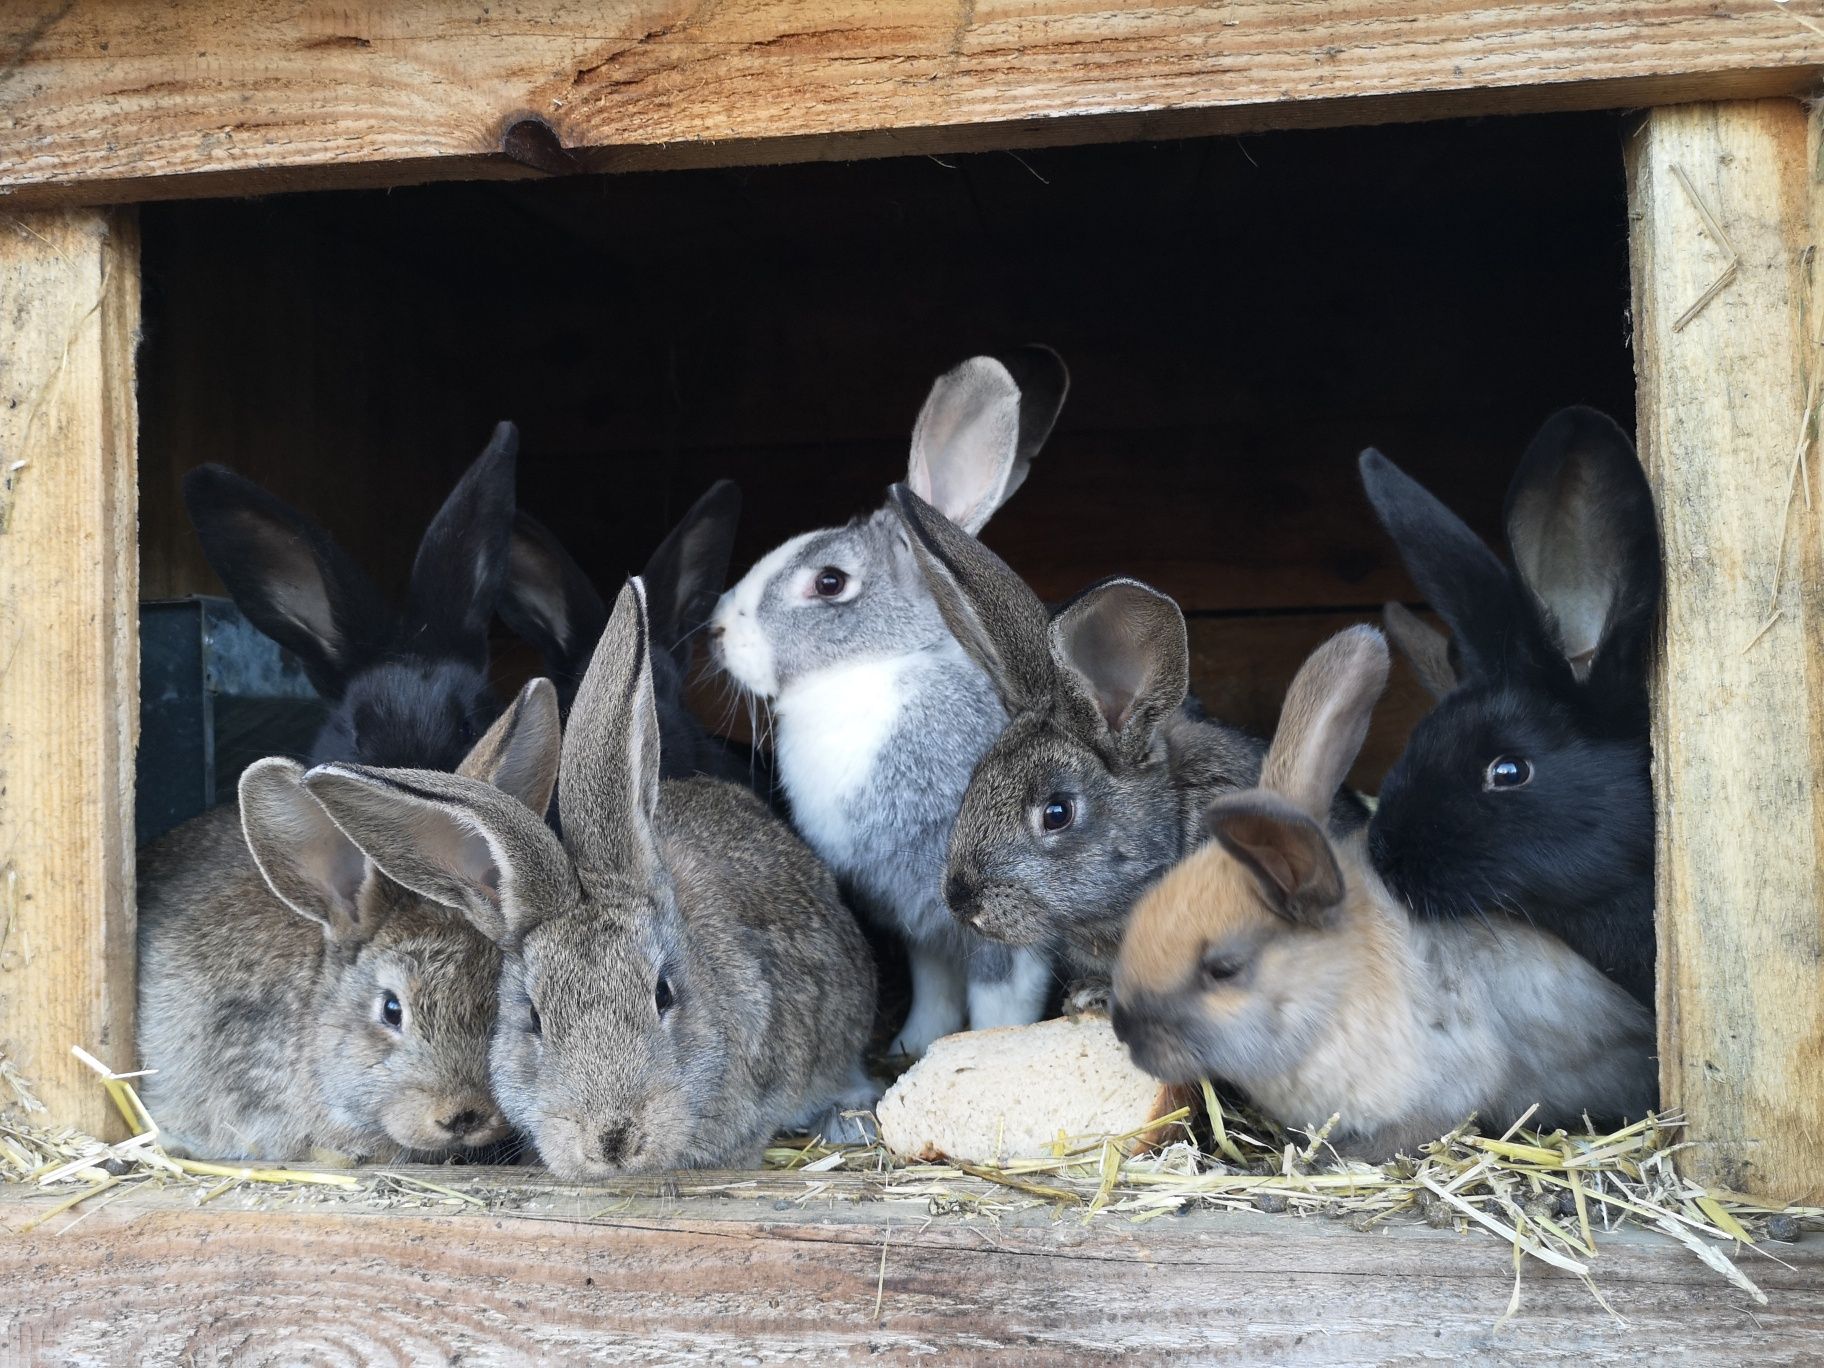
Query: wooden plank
point(788, 1274)
point(1739, 698)
point(115, 100)
point(69, 668)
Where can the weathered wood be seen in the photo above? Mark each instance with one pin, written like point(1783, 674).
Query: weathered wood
point(779, 1272)
point(1725, 193)
point(118, 100)
point(69, 321)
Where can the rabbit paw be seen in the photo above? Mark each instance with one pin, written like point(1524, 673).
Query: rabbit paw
point(1085, 998)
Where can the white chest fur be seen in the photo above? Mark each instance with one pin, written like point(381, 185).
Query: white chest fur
point(831, 727)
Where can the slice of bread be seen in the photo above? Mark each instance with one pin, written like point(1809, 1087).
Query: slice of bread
point(985, 1097)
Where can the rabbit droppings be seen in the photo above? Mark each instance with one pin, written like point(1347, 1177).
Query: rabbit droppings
point(1276, 959)
point(680, 979)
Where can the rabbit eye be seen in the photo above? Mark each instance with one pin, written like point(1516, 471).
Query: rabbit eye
point(662, 996)
point(1508, 772)
point(1058, 813)
point(538, 1027)
point(1218, 968)
point(830, 582)
point(391, 1012)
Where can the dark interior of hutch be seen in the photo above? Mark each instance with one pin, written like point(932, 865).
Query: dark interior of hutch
point(1240, 316)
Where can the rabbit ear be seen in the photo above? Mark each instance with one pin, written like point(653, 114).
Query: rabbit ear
point(686, 574)
point(549, 602)
point(288, 576)
point(454, 840)
point(305, 859)
point(462, 560)
point(990, 610)
point(1459, 576)
point(1585, 539)
point(966, 444)
point(1286, 851)
point(518, 755)
point(1122, 645)
point(1325, 719)
point(608, 786)
point(1424, 646)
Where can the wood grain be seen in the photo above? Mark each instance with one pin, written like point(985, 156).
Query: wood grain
point(119, 100)
point(69, 672)
point(1739, 697)
point(785, 1275)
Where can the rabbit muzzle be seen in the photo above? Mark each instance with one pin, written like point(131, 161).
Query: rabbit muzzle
point(1001, 911)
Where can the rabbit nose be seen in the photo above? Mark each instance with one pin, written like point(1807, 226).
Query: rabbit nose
point(613, 1144)
point(465, 1122)
point(961, 893)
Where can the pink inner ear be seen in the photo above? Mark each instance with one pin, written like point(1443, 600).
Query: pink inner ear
point(1117, 706)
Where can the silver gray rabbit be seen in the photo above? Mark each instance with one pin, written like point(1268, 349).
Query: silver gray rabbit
point(322, 1011)
point(879, 717)
point(1098, 784)
point(680, 978)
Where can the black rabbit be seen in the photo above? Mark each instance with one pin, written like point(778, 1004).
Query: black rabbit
point(405, 688)
point(1527, 789)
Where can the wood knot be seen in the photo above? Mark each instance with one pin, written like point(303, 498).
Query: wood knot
point(532, 142)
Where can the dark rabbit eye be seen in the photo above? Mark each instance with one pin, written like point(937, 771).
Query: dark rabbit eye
point(1058, 813)
point(662, 996)
point(391, 1012)
point(830, 582)
point(1220, 968)
point(538, 1027)
point(1508, 772)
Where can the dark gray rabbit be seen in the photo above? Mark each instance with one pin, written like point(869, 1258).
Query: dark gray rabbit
point(404, 688)
point(879, 717)
point(680, 978)
point(321, 1010)
point(549, 602)
point(1527, 789)
point(1098, 784)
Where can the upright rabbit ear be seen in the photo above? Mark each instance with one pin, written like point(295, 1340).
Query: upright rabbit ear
point(305, 859)
point(454, 840)
point(1461, 577)
point(1286, 851)
point(1585, 539)
point(1424, 646)
point(462, 560)
point(687, 573)
point(549, 602)
point(990, 610)
point(519, 753)
point(609, 776)
point(979, 430)
point(1122, 646)
point(288, 576)
point(1325, 720)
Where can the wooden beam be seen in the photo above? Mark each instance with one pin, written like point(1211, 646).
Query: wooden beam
point(69, 666)
point(118, 100)
point(796, 1276)
point(1726, 347)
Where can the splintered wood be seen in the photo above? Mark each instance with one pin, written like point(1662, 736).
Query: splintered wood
point(69, 670)
point(1724, 210)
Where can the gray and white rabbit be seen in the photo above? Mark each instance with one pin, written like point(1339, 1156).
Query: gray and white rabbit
point(879, 716)
point(1276, 958)
point(1098, 783)
point(321, 1010)
point(681, 979)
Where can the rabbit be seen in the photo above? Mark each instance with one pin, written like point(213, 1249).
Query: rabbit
point(681, 979)
point(306, 1006)
point(405, 688)
point(1098, 783)
point(879, 717)
point(549, 602)
point(1275, 958)
point(1527, 788)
